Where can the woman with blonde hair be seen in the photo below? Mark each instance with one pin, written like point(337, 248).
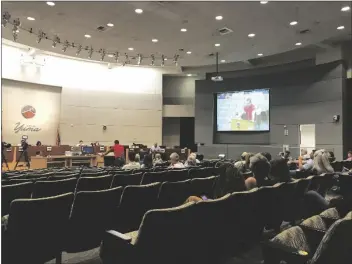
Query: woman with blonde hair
point(321, 162)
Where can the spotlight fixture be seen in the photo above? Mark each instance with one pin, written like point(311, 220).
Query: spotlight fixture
point(110, 24)
point(183, 29)
point(340, 27)
point(5, 18)
point(293, 23)
point(102, 54)
point(55, 41)
point(87, 36)
point(90, 52)
point(176, 59)
point(263, 2)
point(153, 59)
point(50, 3)
point(138, 11)
point(155, 40)
point(189, 52)
point(79, 48)
point(218, 17)
point(217, 45)
point(130, 49)
point(65, 46)
point(111, 55)
point(345, 8)
point(260, 54)
point(15, 30)
point(189, 75)
point(41, 35)
point(116, 56)
point(31, 18)
point(251, 35)
point(298, 44)
point(139, 59)
point(162, 60)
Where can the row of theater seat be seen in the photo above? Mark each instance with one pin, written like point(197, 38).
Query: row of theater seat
point(323, 239)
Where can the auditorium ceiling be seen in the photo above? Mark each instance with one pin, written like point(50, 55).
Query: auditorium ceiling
point(188, 32)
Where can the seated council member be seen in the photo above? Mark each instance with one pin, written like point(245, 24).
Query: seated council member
point(155, 148)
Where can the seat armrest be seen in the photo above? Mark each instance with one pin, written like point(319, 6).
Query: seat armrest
point(118, 235)
point(274, 252)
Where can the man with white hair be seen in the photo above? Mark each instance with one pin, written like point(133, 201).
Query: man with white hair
point(174, 160)
point(192, 160)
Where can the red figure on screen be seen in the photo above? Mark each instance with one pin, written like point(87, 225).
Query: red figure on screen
point(248, 109)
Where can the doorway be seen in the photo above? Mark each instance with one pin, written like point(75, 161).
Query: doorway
point(307, 137)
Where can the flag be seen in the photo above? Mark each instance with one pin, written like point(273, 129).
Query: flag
point(58, 139)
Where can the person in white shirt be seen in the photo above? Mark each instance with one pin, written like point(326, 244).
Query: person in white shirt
point(80, 143)
point(132, 164)
point(192, 160)
point(174, 160)
point(155, 148)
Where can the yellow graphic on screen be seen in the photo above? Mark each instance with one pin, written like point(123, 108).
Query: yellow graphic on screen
point(240, 124)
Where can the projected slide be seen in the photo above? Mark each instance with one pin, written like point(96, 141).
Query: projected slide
point(243, 110)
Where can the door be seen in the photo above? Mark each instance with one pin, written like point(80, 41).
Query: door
point(307, 137)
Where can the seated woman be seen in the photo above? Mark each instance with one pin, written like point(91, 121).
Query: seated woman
point(174, 161)
point(279, 171)
point(260, 167)
point(157, 159)
point(132, 164)
point(147, 162)
point(321, 162)
point(191, 161)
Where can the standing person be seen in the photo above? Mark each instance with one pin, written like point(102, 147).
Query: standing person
point(249, 109)
point(119, 152)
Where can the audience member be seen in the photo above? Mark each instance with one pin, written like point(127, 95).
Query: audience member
point(279, 171)
point(132, 164)
point(119, 152)
point(332, 156)
point(306, 163)
point(260, 167)
point(147, 162)
point(251, 183)
point(321, 162)
point(157, 159)
point(349, 156)
point(287, 156)
point(174, 161)
point(137, 158)
point(191, 161)
point(304, 154)
point(248, 161)
point(155, 148)
point(240, 164)
point(267, 155)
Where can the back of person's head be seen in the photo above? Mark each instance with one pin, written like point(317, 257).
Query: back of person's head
point(230, 180)
point(131, 156)
point(148, 160)
point(117, 142)
point(332, 156)
point(260, 167)
point(321, 162)
point(191, 161)
point(250, 183)
point(157, 156)
point(267, 155)
point(240, 165)
point(248, 159)
point(174, 157)
point(349, 154)
point(137, 158)
point(304, 152)
point(287, 154)
point(279, 170)
point(243, 155)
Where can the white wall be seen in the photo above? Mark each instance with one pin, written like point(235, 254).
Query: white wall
point(128, 100)
point(43, 125)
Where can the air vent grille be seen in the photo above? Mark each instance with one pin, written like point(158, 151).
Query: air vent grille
point(225, 31)
point(304, 31)
point(101, 28)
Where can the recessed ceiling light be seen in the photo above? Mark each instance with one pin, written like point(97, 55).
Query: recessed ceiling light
point(50, 3)
point(260, 54)
point(165, 58)
point(340, 27)
point(263, 2)
point(31, 18)
point(223, 61)
point(298, 44)
point(217, 45)
point(138, 11)
point(251, 35)
point(189, 52)
point(189, 75)
point(110, 24)
point(87, 36)
point(111, 55)
point(345, 8)
point(218, 17)
point(293, 23)
point(131, 49)
point(155, 40)
point(183, 29)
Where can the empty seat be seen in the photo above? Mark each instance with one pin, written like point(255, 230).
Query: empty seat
point(91, 215)
point(141, 198)
point(287, 200)
point(93, 183)
point(173, 194)
point(175, 175)
point(53, 188)
point(63, 176)
point(297, 205)
point(14, 191)
point(151, 177)
point(347, 164)
point(345, 184)
point(126, 179)
point(337, 166)
point(200, 172)
point(204, 186)
point(35, 229)
point(164, 236)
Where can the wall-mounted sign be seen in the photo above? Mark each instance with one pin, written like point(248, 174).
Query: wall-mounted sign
point(28, 111)
point(25, 128)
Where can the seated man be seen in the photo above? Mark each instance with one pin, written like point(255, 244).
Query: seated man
point(174, 161)
point(157, 159)
point(132, 164)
